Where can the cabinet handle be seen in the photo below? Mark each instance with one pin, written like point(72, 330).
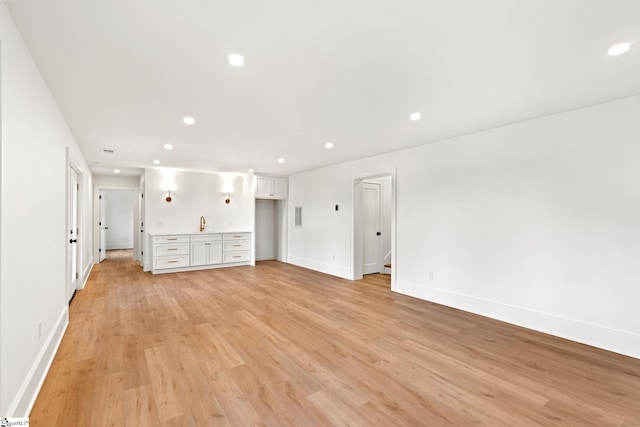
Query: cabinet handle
point(172, 249)
point(174, 238)
point(237, 256)
point(236, 245)
point(171, 262)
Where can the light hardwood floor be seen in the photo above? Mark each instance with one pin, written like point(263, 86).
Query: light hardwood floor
point(278, 345)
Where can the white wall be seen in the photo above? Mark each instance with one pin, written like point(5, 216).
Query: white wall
point(536, 223)
point(281, 231)
point(120, 209)
point(195, 195)
point(116, 181)
point(33, 218)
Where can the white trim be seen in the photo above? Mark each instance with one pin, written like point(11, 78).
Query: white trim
point(120, 245)
point(615, 340)
point(321, 267)
point(26, 396)
point(85, 274)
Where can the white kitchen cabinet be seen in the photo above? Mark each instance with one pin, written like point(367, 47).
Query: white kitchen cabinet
point(197, 251)
point(206, 249)
point(236, 247)
point(271, 187)
point(170, 251)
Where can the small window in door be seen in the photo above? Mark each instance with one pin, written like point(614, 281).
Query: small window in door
point(298, 216)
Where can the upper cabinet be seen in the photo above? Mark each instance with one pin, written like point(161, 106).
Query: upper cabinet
point(271, 187)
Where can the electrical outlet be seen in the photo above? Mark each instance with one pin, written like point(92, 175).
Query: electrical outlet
point(431, 275)
point(39, 329)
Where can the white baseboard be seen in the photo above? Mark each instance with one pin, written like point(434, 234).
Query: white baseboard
point(120, 245)
point(333, 270)
point(26, 397)
point(615, 340)
point(85, 274)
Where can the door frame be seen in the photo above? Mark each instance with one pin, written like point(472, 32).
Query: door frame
point(73, 163)
point(356, 224)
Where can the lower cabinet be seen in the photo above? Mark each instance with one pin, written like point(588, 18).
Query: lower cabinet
point(236, 247)
point(170, 251)
point(184, 252)
point(206, 250)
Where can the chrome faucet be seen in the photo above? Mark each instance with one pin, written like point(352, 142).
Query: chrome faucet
point(202, 223)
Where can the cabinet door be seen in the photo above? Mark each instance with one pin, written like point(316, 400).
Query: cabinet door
point(199, 252)
point(215, 253)
point(263, 186)
point(279, 188)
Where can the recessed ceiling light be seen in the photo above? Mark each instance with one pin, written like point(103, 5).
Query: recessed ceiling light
point(328, 145)
point(156, 162)
point(116, 170)
point(189, 120)
point(251, 170)
point(619, 49)
point(236, 60)
point(168, 147)
point(415, 116)
point(281, 160)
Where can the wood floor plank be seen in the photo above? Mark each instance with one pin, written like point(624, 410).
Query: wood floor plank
point(278, 345)
point(139, 407)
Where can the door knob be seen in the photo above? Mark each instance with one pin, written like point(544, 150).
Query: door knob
point(73, 240)
point(378, 233)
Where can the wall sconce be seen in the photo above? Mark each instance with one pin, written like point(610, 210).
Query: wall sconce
point(168, 198)
point(228, 199)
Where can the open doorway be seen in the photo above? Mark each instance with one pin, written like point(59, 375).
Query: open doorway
point(117, 223)
point(373, 225)
point(270, 230)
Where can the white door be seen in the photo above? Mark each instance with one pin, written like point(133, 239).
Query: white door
point(102, 223)
point(199, 253)
point(371, 208)
point(73, 234)
point(263, 187)
point(142, 241)
point(215, 253)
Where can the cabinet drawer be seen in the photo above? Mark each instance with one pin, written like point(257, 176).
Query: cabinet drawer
point(182, 238)
point(236, 236)
point(171, 262)
point(206, 238)
point(240, 256)
point(238, 245)
point(172, 249)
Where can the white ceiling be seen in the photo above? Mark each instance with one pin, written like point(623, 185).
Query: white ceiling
point(126, 72)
